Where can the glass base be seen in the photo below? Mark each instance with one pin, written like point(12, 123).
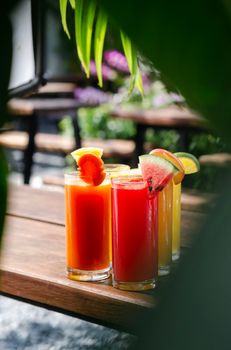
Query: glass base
point(175, 256)
point(135, 286)
point(163, 270)
point(83, 275)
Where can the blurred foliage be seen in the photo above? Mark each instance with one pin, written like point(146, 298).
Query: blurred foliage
point(97, 123)
point(208, 179)
point(189, 46)
point(167, 139)
point(207, 143)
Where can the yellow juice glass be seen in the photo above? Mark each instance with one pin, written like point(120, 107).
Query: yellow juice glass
point(165, 201)
point(113, 170)
point(176, 216)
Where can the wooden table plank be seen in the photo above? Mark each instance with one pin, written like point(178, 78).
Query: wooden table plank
point(33, 263)
point(66, 144)
point(48, 206)
point(29, 106)
point(35, 271)
point(41, 205)
point(170, 117)
point(37, 204)
point(197, 201)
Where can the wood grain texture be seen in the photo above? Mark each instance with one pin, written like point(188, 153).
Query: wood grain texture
point(190, 200)
point(66, 144)
point(220, 160)
point(33, 266)
point(48, 206)
point(57, 87)
point(166, 117)
point(37, 204)
point(194, 200)
point(33, 263)
point(29, 106)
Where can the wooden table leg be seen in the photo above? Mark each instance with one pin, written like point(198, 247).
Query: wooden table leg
point(75, 124)
point(30, 149)
point(184, 140)
point(139, 140)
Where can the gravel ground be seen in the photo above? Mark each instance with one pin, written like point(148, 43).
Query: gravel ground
point(28, 327)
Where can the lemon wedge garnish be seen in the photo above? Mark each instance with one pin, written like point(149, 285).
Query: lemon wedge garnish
point(190, 162)
point(98, 152)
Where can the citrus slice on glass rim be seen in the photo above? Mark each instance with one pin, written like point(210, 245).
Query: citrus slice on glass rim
point(179, 175)
point(86, 150)
point(91, 169)
point(190, 162)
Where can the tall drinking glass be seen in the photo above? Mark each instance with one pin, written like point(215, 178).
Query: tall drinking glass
point(176, 222)
point(165, 201)
point(113, 170)
point(87, 228)
point(134, 238)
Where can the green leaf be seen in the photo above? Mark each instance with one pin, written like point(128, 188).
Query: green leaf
point(130, 53)
point(63, 12)
point(72, 3)
point(87, 28)
point(131, 56)
point(100, 31)
point(139, 82)
point(78, 29)
point(84, 20)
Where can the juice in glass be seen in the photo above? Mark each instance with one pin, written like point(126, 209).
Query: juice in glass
point(113, 170)
point(134, 238)
point(165, 204)
point(87, 228)
point(176, 222)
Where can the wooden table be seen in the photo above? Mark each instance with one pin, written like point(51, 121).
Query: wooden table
point(30, 109)
point(172, 117)
point(33, 263)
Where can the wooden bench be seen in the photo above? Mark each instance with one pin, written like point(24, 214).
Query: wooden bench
point(33, 263)
point(64, 144)
point(172, 117)
point(43, 104)
point(216, 159)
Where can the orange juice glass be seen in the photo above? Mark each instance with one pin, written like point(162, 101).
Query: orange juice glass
point(88, 211)
point(165, 202)
point(176, 221)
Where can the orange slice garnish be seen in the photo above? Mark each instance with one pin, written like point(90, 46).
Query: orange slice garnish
point(91, 169)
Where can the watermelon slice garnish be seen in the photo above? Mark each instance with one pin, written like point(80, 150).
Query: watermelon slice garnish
point(91, 169)
point(157, 171)
point(163, 153)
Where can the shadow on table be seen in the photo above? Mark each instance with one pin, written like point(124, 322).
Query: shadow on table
point(195, 306)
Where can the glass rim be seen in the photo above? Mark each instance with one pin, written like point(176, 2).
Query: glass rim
point(76, 175)
point(112, 166)
point(71, 174)
point(126, 180)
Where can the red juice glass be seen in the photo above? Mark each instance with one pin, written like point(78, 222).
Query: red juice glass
point(134, 235)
